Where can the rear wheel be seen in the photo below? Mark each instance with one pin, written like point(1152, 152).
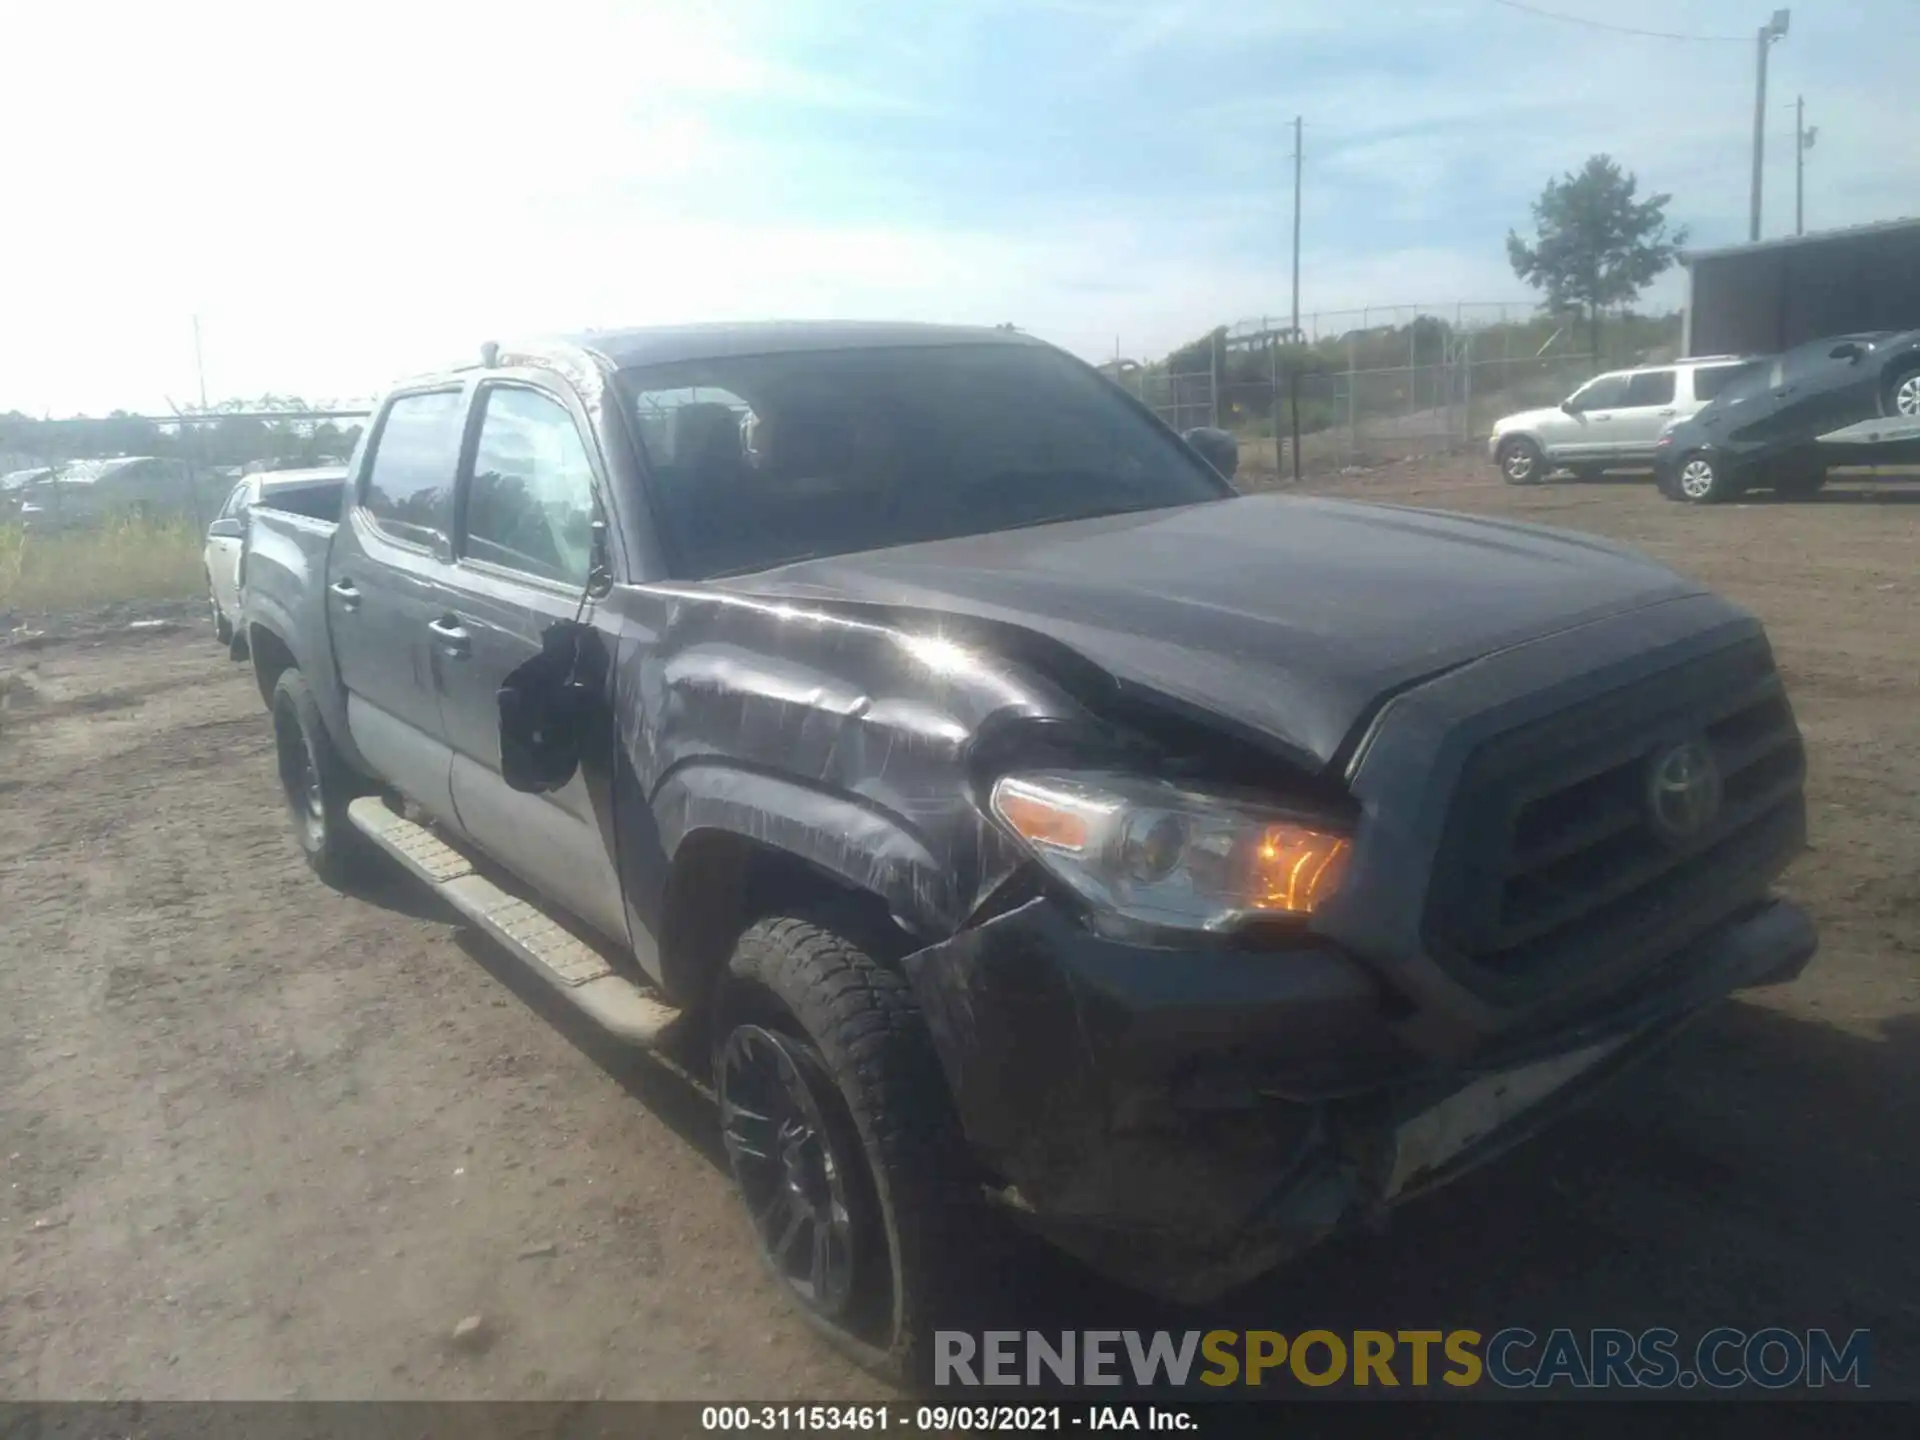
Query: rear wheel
point(842, 1141)
point(1702, 480)
point(1522, 462)
point(222, 627)
point(317, 783)
point(1903, 393)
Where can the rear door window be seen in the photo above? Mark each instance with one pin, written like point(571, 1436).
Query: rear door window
point(408, 491)
point(1650, 387)
point(1606, 393)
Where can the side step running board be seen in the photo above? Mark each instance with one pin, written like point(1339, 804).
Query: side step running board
point(578, 971)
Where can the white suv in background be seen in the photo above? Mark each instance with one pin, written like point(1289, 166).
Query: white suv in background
point(1611, 421)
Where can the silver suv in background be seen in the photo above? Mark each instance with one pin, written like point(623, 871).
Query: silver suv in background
point(1612, 421)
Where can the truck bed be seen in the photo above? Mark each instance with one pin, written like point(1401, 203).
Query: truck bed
point(317, 499)
point(283, 598)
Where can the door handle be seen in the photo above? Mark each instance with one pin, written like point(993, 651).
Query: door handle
point(348, 595)
point(1603, 417)
point(452, 636)
point(1665, 413)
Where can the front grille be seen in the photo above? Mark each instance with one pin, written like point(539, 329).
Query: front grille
point(1552, 858)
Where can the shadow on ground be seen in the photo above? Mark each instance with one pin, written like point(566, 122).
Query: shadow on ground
point(1759, 1172)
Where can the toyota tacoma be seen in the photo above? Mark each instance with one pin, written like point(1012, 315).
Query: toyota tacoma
point(1023, 824)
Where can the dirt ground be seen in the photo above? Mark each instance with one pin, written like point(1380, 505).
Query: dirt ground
point(263, 1140)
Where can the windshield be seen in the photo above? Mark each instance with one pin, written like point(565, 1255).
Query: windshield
point(754, 461)
point(1754, 378)
point(1712, 381)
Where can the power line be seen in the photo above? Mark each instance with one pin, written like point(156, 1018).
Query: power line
point(1625, 29)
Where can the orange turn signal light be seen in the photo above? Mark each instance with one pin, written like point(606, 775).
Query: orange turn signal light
point(1294, 869)
point(1042, 819)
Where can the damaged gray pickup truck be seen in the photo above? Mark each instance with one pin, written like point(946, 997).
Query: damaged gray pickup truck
point(1025, 823)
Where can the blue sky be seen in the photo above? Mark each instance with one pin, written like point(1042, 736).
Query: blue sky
point(344, 192)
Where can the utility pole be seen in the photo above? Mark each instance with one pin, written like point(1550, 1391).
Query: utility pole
point(1293, 375)
point(1803, 136)
point(1296, 228)
point(199, 365)
point(1213, 380)
point(1773, 30)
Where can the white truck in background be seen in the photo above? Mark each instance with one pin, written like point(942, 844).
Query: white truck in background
point(314, 492)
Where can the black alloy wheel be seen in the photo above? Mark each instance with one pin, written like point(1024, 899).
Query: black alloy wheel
point(795, 1168)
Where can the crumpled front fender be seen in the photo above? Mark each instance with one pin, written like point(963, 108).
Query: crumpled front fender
point(1100, 1081)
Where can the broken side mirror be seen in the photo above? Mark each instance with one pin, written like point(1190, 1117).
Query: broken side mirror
point(1217, 447)
point(550, 706)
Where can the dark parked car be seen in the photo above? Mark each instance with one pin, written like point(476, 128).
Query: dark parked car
point(1019, 819)
point(1845, 400)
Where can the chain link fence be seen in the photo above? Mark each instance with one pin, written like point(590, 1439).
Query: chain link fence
point(1371, 386)
point(81, 473)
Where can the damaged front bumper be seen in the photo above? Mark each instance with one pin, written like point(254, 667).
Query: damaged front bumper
point(1184, 1120)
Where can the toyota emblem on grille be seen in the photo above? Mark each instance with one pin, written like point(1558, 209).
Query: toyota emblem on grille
point(1683, 793)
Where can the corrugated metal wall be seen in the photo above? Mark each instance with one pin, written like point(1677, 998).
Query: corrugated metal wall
point(1772, 298)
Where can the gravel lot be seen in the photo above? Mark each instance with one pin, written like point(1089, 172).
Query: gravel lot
point(264, 1140)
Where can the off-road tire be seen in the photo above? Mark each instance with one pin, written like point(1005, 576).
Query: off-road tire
point(921, 1222)
point(317, 798)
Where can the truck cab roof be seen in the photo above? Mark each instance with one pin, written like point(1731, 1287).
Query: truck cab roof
point(654, 345)
point(633, 347)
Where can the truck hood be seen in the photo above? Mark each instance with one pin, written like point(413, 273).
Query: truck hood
point(1285, 618)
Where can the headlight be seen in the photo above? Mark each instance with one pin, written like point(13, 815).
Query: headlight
point(1152, 852)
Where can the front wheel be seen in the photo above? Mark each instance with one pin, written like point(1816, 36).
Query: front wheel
point(1522, 462)
point(1702, 480)
point(843, 1143)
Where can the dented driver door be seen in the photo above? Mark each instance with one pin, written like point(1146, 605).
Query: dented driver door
point(527, 499)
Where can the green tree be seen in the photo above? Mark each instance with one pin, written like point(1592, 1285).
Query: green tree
point(1197, 356)
point(1595, 243)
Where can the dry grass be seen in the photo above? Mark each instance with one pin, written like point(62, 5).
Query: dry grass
point(123, 560)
